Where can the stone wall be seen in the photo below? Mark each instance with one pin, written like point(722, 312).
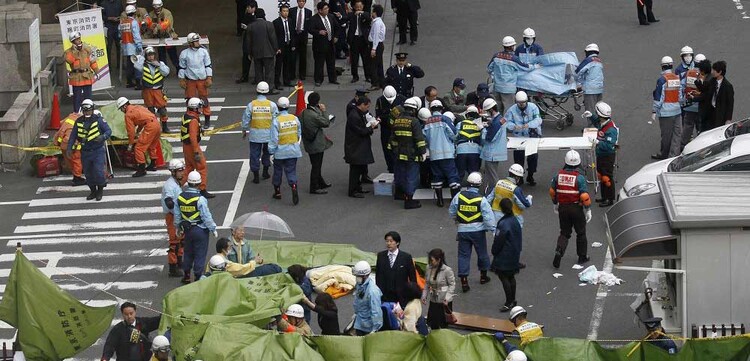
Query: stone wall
point(20, 125)
point(15, 18)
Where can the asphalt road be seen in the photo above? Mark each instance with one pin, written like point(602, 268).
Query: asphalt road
point(455, 40)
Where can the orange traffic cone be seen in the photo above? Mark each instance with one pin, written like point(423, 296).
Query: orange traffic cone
point(54, 121)
point(301, 105)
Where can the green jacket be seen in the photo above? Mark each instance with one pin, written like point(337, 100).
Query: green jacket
point(313, 137)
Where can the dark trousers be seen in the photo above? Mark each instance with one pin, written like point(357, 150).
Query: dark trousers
point(341, 46)
point(172, 52)
point(258, 154)
point(328, 59)
point(94, 163)
point(316, 178)
point(425, 174)
point(264, 69)
point(436, 315)
point(241, 9)
point(402, 17)
point(508, 279)
point(390, 159)
point(356, 171)
point(286, 167)
point(130, 71)
point(406, 176)
point(196, 249)
point(264, 270)
point(647, 16)
point(246, 62)
point(466, 241)
point(571, 217)
point(79, 94)
point(284, 68)
point(377, 75)
point(467, 163)
point(518, 157)
point(113, 40)
point(357, 50)
point(605, 166)
point(301, 52)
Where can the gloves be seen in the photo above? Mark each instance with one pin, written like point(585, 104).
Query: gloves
point(209, 81)
point(197, 157)
point(130, 147)
point(588, 215)
point(244, 134)
point(529, 198)
point(271, 158)
point(216, 234)
point(183, 83)
point(554, 209)
point(481, 125)
point(425, 155)
point(653, 116)
point(586, 114)
point(500, 336)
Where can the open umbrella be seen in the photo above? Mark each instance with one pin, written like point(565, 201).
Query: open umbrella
point(263, 224)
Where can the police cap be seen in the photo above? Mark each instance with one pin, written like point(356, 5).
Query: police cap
point(401, 56)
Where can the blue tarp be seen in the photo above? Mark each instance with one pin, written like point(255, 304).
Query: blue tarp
point(556, 76)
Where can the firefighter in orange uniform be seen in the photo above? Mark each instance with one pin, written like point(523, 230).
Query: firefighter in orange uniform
point(144, 133)
point(83, 69)
point(190, 134)
point(160, 25)
point(169, 194)
point(152, 80)
point(61, 139)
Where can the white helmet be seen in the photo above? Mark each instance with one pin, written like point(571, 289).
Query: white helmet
point(74, 35)
point(699, 58)
point(87, 104)
point(131, 2)
point(686, 50)
point(361, 268)
point(389, 93)
point(509, 41)
point(667, 60)
point(592, 47)
point(517, 310)
point(194, 177)
point(160, 344)
point(217, 261)
point(419, 101)
point(122, 101)
point(283, 103)
point(149, 50)
point(603, 110)
point(516, 169)
point(295, 310)
point(529, 33)
point(521, 97)
point(450, 116)
point(516, 355)
point(475, 178)
point(436, 104)
point(423, 114)
point(176, 164)
point(193, 37)
point(472, 109)
point(194, 103)
point(262, 88)
point(411, 103)
point(157, 3)
point(488, 104)
point(572, 158)
point(130, 9)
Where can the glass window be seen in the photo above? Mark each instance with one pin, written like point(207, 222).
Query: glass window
point(703, 157)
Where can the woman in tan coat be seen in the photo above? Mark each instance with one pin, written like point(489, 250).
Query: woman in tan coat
point(439, 290)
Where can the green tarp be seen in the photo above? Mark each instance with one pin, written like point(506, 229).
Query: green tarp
point(115, 119)
point(52, 325)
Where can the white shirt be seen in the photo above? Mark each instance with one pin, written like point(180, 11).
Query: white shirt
point(377, 33)
point(301, 16)
point(392, 255)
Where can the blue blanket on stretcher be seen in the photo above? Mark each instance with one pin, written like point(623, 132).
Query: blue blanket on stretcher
point(556, 75)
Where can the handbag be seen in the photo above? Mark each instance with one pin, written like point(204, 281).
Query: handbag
point(450, 318)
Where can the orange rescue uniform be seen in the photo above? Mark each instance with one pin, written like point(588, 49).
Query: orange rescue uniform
point(137, 116)
point(190, 135)
point(198, 89)
point(82, 63)
point(61, 139)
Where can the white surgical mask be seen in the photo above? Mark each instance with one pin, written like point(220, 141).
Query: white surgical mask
point(688, 59)
point(360, 280)
point(528, 41)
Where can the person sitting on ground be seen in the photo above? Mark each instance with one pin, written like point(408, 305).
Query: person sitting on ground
point(240, 251)
point(413, 310)
point(328, 313)
point(293, 320)
point(299, 275)
point(238, 270)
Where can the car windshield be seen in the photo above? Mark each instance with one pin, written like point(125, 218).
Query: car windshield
point(694, 161)
point(738, 128)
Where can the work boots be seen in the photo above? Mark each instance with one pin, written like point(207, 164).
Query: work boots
point(256, 178)
point(465, 284)
point(207, 195)
point(556, 261)
point(582, 260)
point(151, 166)
point(276, 193)
point(295, 195)
point(530, 179)
point(91, 195)
point(439, 195)
point(398, 194)
point(411, 203)
point(455, 191)
point(99, 192)
point(186, 277)
point(484, 278)
point(140, 170)
point(173, 271)
point(207, 122)
point(78, 181)
point(165, 129)
point(265, 173)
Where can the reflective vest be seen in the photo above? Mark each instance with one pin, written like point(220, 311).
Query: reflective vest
point(261, 114)
point(71, 123)
point(468, 131)
point(469, 207)
point(126, 31)
point(671, 88)
point(86, 135)
point(504, 189)
point(529, 331)
point(185, 129)
point(690, 77)
point(152, 80)
point(287, 129)
point(188, 203)
point(567, 187)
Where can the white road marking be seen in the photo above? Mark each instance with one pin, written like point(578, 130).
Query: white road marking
point(142, 285)
point(229, 132)
point(214, 108)
point(11, 203)
point(601, 297)
point(178, 140)
point(158, 173)
point(47, 202)
point(91, 212)
point(110, 187)
point(85, 234)
point(88, 226)
point(61, 271)
point(227, 160)
point(170, 101)
point(178, 150)
point(175, 120)
point(234, 202)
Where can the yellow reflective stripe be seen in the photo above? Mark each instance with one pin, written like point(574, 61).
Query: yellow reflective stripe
point(154, 78)
point(69, 121)
point(469, 135)
point(421, 143)
point(93, 131)
point(184, 128)
point(403, 133)
point(261, 114)
point(469, 200)
point(188, 200)
point(188, 211)
point(287, 129)
point(59, 139)
point(402, 157)
point(469, 219)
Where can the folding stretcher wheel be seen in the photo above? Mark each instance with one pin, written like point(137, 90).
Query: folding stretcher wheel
point(560, 124)
point(569, 119)
point(576, 106)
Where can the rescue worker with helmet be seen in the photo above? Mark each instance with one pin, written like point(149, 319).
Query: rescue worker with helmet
point(144, 133)
point(161, 348)
point(607, 137)
point(440, 135)
point(528, 331)
point(469, 142)
point(190, 134)
point(529, 49)
point(367, 298)
point(503, 68)
point(508, 188)
point(571, 200)
point(170, 193)
point(153, 73)
point(160, 25)
point(690, 115)
point(656, 332)
point(494, 142)
point(668, 95)
point(383, 107)
point(91, 133)
point(84, 70)
point(514, 354)
point(196, 74)
point(193, 220)
point(72, 159)
point(293, 320)
point(590, 77)
point(687, 63)
point(140, 15)
point(409, 147)
point(474, 217)
point(286, 135)
point(131, 44)
point(257, 120)
point(524, 121)
point(216, 264)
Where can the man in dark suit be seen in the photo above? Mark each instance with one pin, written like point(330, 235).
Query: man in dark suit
point(251, 12)
point(394, 270)
point(645, 14)
point(406, 11)
point(128, 340)
point(301, 20)
point(287, 38)
point(323, 28)
point(704, 84)
point(359, 29)
point(261, 44)
point(341, 10)
point(722, 96)
point(401, 76)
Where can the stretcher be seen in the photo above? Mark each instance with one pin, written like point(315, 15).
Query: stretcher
point(552, 107)
point(470, 322)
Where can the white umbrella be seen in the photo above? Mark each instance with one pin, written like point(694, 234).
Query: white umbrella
point(263, 224)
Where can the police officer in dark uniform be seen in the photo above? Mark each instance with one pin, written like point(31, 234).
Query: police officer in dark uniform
point(656, 332)
point(360, 92)
point(401, 75)
point(410, 148)
point(571, 199)
point(193, 219)
point(91, 132)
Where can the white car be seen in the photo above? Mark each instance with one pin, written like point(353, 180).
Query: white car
point(725, 156)
point(704, 139)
